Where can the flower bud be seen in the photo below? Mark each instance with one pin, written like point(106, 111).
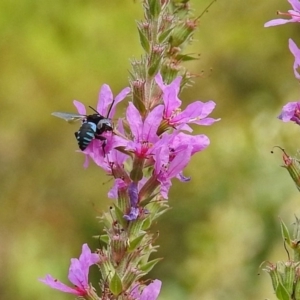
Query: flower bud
point(119, 245)
point(283, 276)
point(183, 33)
point(131, 275)
point(155, 59)
point(143, 30)
point(293, 166)
point(136, 173)
point(170, 71)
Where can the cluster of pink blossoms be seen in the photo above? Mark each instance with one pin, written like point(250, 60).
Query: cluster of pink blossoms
point(167, 152)
point(290, 111)
point(78, 275)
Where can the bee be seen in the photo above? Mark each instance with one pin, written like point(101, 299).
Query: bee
point(92, 127)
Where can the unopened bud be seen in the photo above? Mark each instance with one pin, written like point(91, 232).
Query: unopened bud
point(138, 95)
point(183, 33)
point(293, 166)
point(155, 59)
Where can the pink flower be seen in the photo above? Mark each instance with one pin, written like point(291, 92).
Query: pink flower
point(169, 164)
point(144, 132)
point(294, 15)
point(296, 52)
point(195, 112)
point(290, 112)
point(150, 292)
point(78, 274)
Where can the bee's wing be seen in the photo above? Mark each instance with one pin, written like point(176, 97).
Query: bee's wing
point(70, 118)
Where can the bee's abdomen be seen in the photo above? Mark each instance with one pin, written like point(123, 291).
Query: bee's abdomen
point(85, 134)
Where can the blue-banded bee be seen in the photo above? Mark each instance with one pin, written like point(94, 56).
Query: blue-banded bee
point(92, 127)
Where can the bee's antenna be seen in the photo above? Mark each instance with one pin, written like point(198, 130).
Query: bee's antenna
point(94, 110)
point(110, 108)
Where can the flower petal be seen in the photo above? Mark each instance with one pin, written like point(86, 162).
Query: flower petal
point(296, 52)
point(121, 96)
point(151, 291)
point(133, 194)
point(170, 94)
point(80, 107)
point(135, 121)
point(277, 22)
point(105, 99)
point(79, 268)
point(56, 284)
point(151, 124)
point(295, 4)
point(133, 214)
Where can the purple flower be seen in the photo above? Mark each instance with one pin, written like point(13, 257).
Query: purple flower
point(290, 112)
point(195, 112)
point(150, 292)
point(119, 184)
point(169, 165)
point(296, 52)
point(171, 154)
point(78, 274)
point(294, 14)
point(197, 142)
point(134, 198)
point(133, 194)
point(94, 149)
point(133, 214)
point(144, 133)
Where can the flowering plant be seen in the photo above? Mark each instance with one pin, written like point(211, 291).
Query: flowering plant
point(143, 152)
point(285, 276)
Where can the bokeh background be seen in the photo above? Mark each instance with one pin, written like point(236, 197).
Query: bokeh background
point(223, 224)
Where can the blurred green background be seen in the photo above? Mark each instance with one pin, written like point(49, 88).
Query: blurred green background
point(223, 224)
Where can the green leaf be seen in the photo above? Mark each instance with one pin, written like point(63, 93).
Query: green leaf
point(147, 223)
point(154, 68)
point(144, 202)
point(185, 57)
point(135, 242)
point(281, 292)
point(144, 41)
point(115, 285)
point(154, 8)
point(289, 278)
point(297, 291)
point(104, 238)
point(285, 233)
point(120, 216)
point(149, 265)
point(165, 35)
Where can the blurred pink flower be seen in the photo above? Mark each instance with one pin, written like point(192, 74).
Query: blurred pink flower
point(294, 15)
point(290, 112)
point(296, 52)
